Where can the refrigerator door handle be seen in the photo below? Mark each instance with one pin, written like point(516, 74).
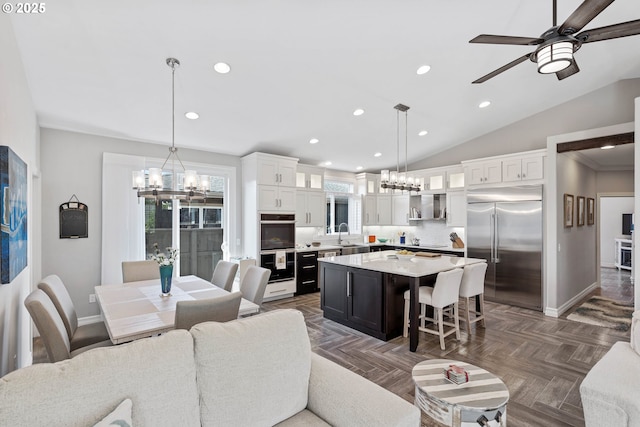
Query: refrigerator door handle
point(497, 240)
point(492, 233)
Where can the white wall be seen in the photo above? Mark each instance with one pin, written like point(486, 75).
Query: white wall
point(18, 130)
point(72, 164)
point(610, 222)
point(610, 105)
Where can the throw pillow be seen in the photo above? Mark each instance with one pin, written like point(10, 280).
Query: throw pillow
point(120, 417)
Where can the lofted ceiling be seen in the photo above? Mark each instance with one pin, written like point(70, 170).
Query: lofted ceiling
point(299, 69)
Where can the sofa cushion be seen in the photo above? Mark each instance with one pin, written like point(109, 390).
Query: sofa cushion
point(121, 416)
point(266, 362)
point(157, 374)
point(304, 418)
point(610, 389)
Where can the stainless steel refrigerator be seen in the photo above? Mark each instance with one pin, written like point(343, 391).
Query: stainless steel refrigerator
point(504, 226)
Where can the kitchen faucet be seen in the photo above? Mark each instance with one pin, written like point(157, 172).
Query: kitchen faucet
point(340, 231)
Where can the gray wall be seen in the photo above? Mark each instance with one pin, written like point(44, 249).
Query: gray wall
point(72, 164)
point(615, 182)
point(577, 255)
point(18, 130)
point(610, 105)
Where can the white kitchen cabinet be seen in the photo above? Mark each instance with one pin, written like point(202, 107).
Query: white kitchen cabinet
point(276, 170)
point(310, 177)
point(521, 169)
point(368, 183)
point(455, 179)
point(487, 172)
point(456, 209)
point(400, 209)
point(310, 208)
point(377, 210)
point(274, 198)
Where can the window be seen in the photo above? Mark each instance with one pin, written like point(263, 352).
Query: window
point(198, 227)
point(342, 207)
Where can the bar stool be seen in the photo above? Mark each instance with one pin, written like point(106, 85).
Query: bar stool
point(444, 293)
point(472, 285)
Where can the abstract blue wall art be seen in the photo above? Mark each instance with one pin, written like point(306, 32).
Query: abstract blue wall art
point(13, 211)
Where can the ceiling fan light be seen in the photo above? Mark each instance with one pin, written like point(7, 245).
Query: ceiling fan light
point(554, 57)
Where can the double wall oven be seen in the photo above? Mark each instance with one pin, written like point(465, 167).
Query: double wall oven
point(277, 246)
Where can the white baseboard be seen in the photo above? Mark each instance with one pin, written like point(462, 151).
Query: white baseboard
point(608, 264)
point(557, 312)
point(89, 319)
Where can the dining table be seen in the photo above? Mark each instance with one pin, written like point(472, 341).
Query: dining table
point(137, 310)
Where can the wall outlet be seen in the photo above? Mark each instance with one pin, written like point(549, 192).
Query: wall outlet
point(92, 298)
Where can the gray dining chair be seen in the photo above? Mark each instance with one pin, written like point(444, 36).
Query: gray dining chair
point(254, 283)
point(51, 328)
point(220, 309)
point(135, 271)
point(78, 336)
point(224, 274)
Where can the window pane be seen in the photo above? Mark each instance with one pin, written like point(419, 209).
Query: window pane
point(157, 227)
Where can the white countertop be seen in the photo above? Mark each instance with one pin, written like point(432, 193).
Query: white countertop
point(412, 267)
point(333, 247)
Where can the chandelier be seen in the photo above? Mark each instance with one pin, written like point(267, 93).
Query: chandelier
point(397, 180)
point(150, 185)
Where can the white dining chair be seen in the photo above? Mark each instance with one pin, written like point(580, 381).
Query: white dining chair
point(472, 285)
point(135, 271)
point(445, 292)
point(220, 309)
point(79, 336)
point(224, 274)
point(254, 283)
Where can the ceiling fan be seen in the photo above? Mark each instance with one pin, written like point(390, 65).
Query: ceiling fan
point(557, 45)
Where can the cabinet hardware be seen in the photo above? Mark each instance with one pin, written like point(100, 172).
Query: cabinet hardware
point(348, 284)
point(308, 266)
point(308, 281)
point(278, 290)
point(308, 255)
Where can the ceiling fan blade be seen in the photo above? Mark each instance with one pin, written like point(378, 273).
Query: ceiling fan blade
point(491, 39)
point(580, 17)
point(569, 71)
point(503, 68)
point(615, 31)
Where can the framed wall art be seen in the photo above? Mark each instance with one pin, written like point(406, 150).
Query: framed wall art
point(591, 211)
point(568, 210)
point(13, 208)
point(580, 211)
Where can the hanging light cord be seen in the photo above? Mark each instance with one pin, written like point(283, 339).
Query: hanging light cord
point(406, 144)
point(172, 62)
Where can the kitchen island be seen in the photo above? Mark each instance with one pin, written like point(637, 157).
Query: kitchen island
point(366, 291)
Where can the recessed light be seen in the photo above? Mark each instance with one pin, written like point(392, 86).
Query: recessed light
point(377, 155)
point(314, 141)
point(423, 69)
point(359, 168)
point(191, 115)
point(484, 104)
point(607, 147)
point(358, 112)
point(327, 163)
point(222, 67)
point(422, 133)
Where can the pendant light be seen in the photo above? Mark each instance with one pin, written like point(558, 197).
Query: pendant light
point(150, 185)
point(397, 180)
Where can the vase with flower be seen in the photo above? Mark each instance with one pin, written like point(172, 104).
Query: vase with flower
point(165, 262)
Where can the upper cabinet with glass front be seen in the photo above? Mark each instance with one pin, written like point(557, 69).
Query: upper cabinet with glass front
point(310, 177)
point(368, 183)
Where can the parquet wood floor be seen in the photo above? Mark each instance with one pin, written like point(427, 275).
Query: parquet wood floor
point(542, 360)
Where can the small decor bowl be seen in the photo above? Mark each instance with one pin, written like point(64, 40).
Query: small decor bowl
point(381, 240)
point(315, 244)
point(405, 257)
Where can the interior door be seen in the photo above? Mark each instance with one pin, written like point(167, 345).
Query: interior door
point(480, 239)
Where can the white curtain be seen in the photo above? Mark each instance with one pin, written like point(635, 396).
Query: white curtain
point(122, 215)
